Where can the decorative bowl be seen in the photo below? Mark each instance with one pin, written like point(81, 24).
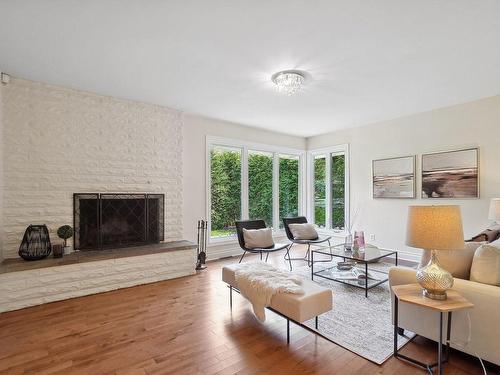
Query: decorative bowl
point(345, 266)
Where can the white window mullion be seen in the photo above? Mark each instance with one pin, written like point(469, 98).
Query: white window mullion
point(276, 191)
point(302, 185)
point(328, 191)
point(244, 184)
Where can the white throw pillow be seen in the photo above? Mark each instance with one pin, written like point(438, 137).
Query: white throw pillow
point(456, 262)
point(258, 238)
point(303, 231)
point(486, 264)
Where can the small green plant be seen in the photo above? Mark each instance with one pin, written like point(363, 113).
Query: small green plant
point(64, 233)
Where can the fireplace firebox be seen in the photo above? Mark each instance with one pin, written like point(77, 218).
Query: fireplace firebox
point(105, 220)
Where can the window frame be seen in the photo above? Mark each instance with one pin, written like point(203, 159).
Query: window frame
point(245, 147)
point(328, 152)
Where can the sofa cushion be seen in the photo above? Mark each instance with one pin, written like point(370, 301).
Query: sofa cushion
point(486, 264)
point(303, 231)
point(457, 262)
point(258, 238)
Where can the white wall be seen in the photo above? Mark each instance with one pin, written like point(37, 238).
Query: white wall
point(195, 131)
point(2, 156)
point(59, 141)
point(471, 124)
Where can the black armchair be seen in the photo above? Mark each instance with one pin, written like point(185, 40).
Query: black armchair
point(255, 224)
point(302, 220)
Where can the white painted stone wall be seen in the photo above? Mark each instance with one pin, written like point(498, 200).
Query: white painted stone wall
point(1, 173)
point(34, 287)
point(59, 141)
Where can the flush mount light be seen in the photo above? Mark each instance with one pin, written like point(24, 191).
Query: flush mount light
point(288, 81)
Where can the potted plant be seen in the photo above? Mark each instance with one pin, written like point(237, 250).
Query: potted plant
point(65, 232)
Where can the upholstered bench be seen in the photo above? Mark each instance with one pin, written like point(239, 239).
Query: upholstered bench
point(298, 308)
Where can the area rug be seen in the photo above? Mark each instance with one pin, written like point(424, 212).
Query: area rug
point(361, 325)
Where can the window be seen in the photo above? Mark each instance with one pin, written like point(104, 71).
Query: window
point(330, 187)
point(338, 191)
point(260, 186)
point(288, 187)
point(251, 181)
point(225, 190)
point(320, 190)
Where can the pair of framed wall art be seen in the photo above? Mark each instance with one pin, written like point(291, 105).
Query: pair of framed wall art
point(448, 174)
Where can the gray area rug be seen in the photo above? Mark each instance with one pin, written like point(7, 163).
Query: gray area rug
point(361, 325)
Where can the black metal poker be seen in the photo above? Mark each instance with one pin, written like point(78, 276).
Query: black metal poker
point(202, 245)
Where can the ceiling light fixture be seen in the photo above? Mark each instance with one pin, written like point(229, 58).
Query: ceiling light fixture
point(288, 81)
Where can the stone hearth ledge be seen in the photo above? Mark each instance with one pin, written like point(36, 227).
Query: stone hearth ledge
point(18, 264)
point(29, 283)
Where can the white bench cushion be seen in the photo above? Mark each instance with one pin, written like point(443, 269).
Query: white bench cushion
point(315, 301)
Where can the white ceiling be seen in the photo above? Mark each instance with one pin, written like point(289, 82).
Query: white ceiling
point(368, 60)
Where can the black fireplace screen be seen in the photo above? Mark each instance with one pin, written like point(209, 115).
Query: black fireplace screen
point(117, 220)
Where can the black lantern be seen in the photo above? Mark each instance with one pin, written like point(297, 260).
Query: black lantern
point(36, 243)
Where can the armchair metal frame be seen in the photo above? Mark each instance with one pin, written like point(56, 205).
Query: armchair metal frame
point(307, 258)
point(255, 224)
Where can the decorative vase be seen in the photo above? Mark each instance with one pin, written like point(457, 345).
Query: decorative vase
point(36, 243)
point(359, 238)
point(348, 242)
point(57, 250)
point(67, 250)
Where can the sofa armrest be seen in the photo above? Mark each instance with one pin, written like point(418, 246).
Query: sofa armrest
point(401, 275)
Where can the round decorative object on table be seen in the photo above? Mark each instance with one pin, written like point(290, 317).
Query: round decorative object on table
point(345, 266)
point(36, 243)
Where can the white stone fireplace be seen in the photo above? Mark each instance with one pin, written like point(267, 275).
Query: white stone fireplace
point(57, 142)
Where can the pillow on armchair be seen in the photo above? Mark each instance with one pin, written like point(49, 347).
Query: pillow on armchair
point(456, 262)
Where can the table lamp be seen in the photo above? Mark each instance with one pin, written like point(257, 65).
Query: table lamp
point(435, 228)
point(495, 210)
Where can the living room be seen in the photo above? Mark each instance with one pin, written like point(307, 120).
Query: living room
point(251, 188)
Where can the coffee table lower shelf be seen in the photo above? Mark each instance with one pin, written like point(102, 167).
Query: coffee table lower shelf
point(366, 285)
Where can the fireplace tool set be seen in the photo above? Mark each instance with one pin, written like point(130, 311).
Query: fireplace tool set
point(202, 244)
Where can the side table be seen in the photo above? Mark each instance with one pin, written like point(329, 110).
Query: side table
point(412, 293)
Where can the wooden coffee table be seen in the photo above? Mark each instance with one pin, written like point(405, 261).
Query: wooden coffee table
point(412, 293)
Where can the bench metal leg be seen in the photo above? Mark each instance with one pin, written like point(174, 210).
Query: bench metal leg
point(231, 297)
point(316, 322)
point(267, 256)
point(244, 252)
point(288, 331)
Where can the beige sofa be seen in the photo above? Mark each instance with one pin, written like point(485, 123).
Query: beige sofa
point(483, 337)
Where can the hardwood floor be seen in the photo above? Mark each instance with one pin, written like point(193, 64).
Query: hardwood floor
point(181, 326)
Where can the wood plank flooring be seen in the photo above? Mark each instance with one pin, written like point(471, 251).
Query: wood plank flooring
point(181, 326)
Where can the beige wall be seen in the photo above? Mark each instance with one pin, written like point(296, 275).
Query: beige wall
point(2, 156)
point(471, 124)
point(195, 131)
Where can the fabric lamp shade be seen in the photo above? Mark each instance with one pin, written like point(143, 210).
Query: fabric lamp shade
point(494, 209)
point(435, 228)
